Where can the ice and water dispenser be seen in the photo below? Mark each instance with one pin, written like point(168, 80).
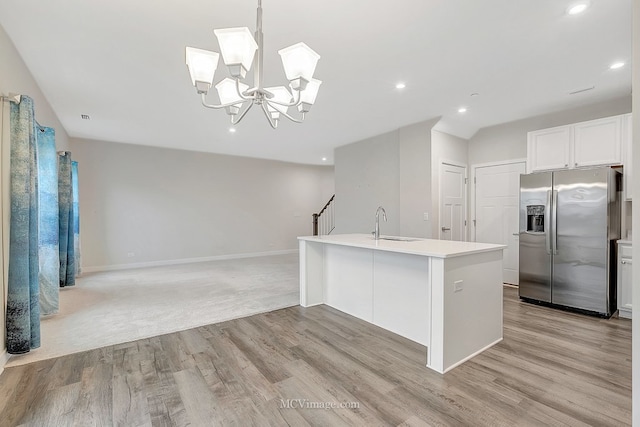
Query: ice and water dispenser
point(535, 218)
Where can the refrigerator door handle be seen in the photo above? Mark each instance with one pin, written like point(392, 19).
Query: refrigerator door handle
point(554, 231)
point(547, 221)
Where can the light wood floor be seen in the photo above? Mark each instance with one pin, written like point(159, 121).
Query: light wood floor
point(278, 368)
point(113, 307)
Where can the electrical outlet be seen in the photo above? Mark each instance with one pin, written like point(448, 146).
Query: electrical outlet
point(426, 216)
point(457, 286)
point(131, 254)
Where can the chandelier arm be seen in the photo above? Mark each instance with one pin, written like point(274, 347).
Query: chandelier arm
point(293, 119)
point(241, 116)
point(272, 122)
point(240, 94)
point(295, 102)
point(216, 107)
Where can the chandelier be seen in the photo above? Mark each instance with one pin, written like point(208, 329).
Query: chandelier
point(239, 51)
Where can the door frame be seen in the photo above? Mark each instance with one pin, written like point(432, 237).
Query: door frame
point(472, 193)
point(443, 162)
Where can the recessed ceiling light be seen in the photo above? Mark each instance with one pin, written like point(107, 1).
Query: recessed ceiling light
point(616, 65)
point(324, 159)
point(462, 110)
point(232, 130)
point(400, 85)
point(577, 8)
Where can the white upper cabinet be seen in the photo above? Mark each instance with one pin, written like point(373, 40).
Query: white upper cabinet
point(598, 142)
point(592, 143)
point(627, 158)
point(549, 149)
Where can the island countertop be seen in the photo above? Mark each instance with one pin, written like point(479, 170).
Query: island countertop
point(407, 245)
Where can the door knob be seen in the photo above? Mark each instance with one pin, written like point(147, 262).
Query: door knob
point(446, 229)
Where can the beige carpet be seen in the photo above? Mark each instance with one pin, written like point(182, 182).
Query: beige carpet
point(120, 306)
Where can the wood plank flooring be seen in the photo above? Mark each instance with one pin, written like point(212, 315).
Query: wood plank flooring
point(287, 366)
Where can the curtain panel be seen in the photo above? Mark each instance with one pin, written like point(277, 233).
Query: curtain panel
point(49, 258)
point(23, 302)
point(65, 218)
point(76, 218)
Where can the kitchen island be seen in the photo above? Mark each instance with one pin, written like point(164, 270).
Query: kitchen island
point(445, 295)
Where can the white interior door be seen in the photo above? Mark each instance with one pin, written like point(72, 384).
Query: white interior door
point(453, 202)
point(497, 207)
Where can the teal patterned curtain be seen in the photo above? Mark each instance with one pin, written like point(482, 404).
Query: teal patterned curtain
point(48, 220)
point(65, 218)
point(23, 302)
point(76, 217)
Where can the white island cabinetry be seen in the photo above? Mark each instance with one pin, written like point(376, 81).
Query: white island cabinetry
point(445, 295)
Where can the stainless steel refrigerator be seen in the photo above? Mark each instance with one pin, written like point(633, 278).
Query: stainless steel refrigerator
point(569, 223)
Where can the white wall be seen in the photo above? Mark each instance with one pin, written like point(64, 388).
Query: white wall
point(366, 176)
point(143, 205)
point(392, 170)
point(636, 216)
point(508, 141)
point(415, 144)
point(16, 78)
point(444, 148)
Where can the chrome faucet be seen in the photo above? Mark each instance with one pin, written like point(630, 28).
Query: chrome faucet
point(376, 233)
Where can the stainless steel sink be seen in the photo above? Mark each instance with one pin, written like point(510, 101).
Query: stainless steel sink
point(399, 239)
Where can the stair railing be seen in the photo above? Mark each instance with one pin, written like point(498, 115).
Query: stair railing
point(324, 221)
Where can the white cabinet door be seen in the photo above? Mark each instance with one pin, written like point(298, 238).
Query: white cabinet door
point(549, 149)
point(627, 148)
point(624, 280)
point(598, 142)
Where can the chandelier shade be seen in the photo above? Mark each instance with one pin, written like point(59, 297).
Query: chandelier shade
point(281, 99)
point(202, 66)
point(229, 96)
point(308, 95)
point(299, 61)
point(238, 48)
point(240, 52)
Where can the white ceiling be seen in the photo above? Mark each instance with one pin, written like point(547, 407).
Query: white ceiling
point(122, 62)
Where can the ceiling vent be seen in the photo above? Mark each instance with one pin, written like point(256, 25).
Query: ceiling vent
point(582, 90)
point(85, 117)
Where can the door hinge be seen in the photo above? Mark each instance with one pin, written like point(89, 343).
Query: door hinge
point(466, 180)
point(465, 222)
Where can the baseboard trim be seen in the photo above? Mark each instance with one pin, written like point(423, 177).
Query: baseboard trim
point(113, 267)
point(471, 356)
point(4, 358)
